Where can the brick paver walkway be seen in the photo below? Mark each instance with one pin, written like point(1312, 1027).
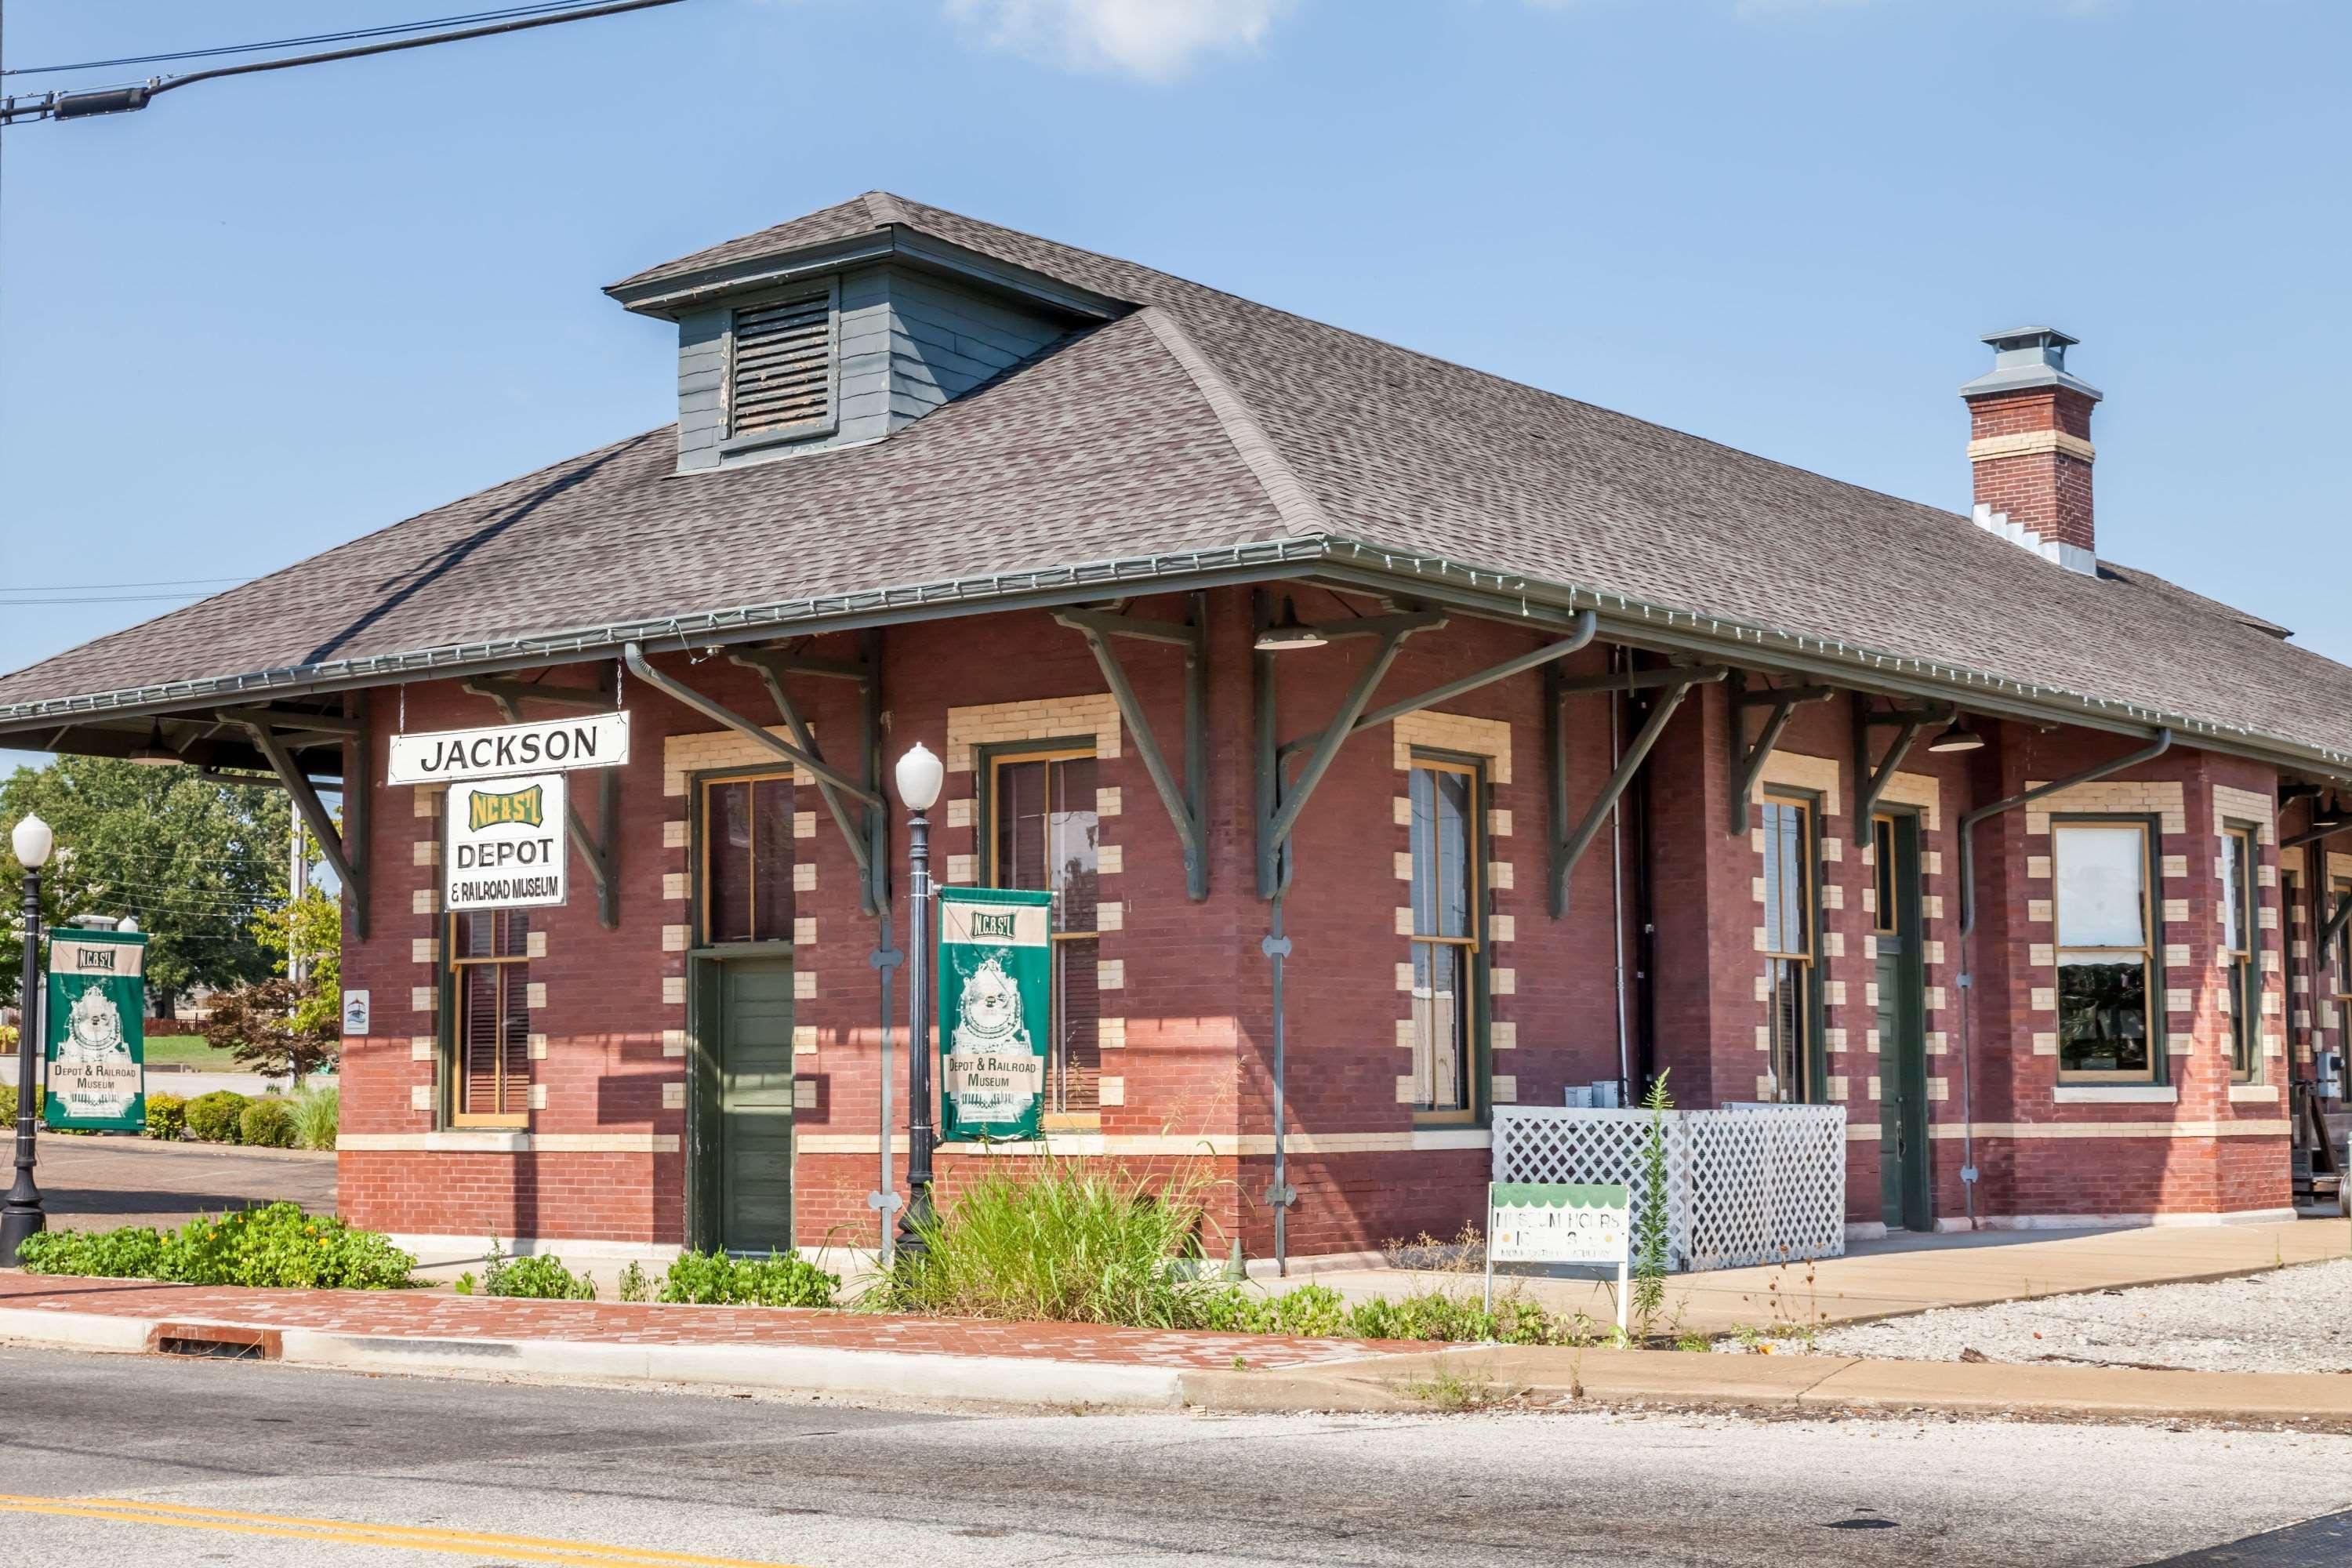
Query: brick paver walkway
point(438, 1315)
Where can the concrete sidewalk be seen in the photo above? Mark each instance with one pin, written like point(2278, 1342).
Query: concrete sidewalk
point(1911, 1273)
point(864, 1356)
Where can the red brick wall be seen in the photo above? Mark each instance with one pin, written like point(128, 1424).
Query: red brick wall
point(2049, 492)
point(1196, 1065)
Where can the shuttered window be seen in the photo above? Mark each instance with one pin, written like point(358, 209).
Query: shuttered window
point(489, 973)
point(780, 368)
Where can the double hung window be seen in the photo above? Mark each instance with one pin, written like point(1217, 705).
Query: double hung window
point(1444, 939)
point(1789, 945)
point(2238, 954)
point(489, 975)
point(747, 859)
point(1046, 836)
point(2107, 1029)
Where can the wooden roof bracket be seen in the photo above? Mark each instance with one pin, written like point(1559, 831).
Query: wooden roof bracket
point(344, 848)
point(802, 757)
point(1747, 760)
point(2161, 743)
point(1567, 847)
point(1910, 724)
point(1187, 805)
point(2335, 925)
point(863, 837)
point(600, 851)
point(1279, 801)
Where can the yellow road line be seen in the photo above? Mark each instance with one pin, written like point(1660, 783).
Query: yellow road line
point(352, 1533)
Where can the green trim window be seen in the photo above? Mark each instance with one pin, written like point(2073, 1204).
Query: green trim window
point(488, 1041)
point(2339, 959)
point(747, 858)
point(2238, 903)
point(1790, 946)
point(1444, 940)
point(2109, 1029)
point(1045, 834)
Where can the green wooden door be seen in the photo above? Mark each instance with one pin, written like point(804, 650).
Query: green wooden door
point(1902, 1027)
point(744, 1150)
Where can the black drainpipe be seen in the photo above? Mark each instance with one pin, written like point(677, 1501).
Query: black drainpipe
point(1645, 935)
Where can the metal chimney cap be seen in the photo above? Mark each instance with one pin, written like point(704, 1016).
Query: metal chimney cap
point(2025, 358)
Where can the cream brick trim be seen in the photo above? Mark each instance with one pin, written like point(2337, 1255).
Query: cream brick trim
point(961, 809)
point(1043, 718)
point(673, 886)
point(2031, 444)
point(1922, 791)
point(1794, 770)
point(421, 1048)
point(1111, 1091)
point(804, 1039)
point(803, 876)
point(535, 1047)
point(712, 750)
point(2160, 798)
point(672, 1042)
point(1501, 1034)
point(425, 852)
point(534, 995)
point(424, 902)
point(673, 990)
point(539, 1097)
point(804, 984)
point(1110, 1034)
point(1108, 801)
point(426, 801)
point(673, 1096)
point(674, 833)
point(2246, 805)
point(427, 949)
point(673, 938)
point(534, 942)
point(1488, 738)
point(1503, 1088)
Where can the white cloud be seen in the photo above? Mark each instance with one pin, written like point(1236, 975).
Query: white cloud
point(1156, 40)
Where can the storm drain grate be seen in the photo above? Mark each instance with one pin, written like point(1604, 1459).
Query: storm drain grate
point(228, 1341)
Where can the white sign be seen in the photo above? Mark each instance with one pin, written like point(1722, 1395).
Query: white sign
point(355, 1012)
point(1561, 1222)
point(445, 756)
point(506, 844)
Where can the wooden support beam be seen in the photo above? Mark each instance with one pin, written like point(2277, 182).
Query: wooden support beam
point(1747, 760)
point(1185, 802)
point(289, 719)
point(772, 668)
point(350, 870)
point(599, 695)
point(1566, 852)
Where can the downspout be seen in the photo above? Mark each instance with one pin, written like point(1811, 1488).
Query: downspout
point(2149, 752)
point(1617, 893)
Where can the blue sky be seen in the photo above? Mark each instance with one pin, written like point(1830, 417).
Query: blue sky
point(267, 315)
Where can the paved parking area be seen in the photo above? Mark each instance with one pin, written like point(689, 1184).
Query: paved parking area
point(95, 1183)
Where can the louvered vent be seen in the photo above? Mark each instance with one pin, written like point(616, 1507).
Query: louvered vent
point(780, 376)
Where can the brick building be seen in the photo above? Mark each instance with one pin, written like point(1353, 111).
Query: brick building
point(1670, 757)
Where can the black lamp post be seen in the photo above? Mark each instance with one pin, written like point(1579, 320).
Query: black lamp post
point(21, 1216)
point(920, 777)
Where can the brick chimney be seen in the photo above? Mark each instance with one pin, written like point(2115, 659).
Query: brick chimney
point(2029, 444)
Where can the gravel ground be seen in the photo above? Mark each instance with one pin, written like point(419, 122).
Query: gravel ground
point(2290, 1320)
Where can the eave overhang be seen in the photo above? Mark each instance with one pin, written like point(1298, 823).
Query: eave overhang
point(1361, 565)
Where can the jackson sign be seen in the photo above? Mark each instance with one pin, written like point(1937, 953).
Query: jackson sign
point(555, 745)
point(506, 844)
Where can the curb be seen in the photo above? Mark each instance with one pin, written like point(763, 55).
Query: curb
point(1009, 1381)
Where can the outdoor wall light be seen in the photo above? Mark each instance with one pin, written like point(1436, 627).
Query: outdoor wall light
point(1289, 632)
point(32, 841)
point(153, 752)
point(919, 774)
point(1957, 737)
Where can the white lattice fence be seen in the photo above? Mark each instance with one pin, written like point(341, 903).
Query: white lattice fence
point(1759, 1186)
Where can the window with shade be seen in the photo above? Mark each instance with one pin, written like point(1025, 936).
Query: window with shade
point(1789, 946)
point(747, 859)
point(1044, 836)
point(2107, 940)
point(489, 1018)
point(2238, 953)
point(1444, 939)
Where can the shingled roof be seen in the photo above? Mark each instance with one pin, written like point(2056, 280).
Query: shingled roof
point(1206, 424)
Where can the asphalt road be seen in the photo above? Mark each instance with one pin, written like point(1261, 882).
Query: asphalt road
point(92, 1183)
point(296, 1467)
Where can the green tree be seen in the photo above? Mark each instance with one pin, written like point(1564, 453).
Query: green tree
point(194, 862)
point(311, 927)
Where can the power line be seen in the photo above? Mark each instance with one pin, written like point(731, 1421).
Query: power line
point(147, 583)
point(71, 104)
point(8, 603)
point(389, 29)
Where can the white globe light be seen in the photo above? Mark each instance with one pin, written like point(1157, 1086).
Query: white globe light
point(921, 774)
point(128, 922)
point(32, 840)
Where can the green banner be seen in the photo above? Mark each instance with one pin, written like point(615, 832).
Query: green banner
point(97, 1042)
point(996, 1012)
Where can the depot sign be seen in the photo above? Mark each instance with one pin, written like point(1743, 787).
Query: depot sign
point(505, 846)
point(446, 756)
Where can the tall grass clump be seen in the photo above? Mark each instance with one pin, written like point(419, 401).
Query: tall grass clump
point(1069, 1240)
point(317, 1114)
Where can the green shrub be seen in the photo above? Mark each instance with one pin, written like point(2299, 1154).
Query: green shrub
point(1074, 1240)
point(317, 1113)
point(214, 1117)
point(542, 1279)
point(634, 1286)
point(8, 1099)
point(134, 1252)
point(265, 1124)
point(279, 1246)
point(167, 1117)
point(775, 1281)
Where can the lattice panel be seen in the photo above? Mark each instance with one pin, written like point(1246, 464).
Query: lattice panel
point(1758, 1184)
